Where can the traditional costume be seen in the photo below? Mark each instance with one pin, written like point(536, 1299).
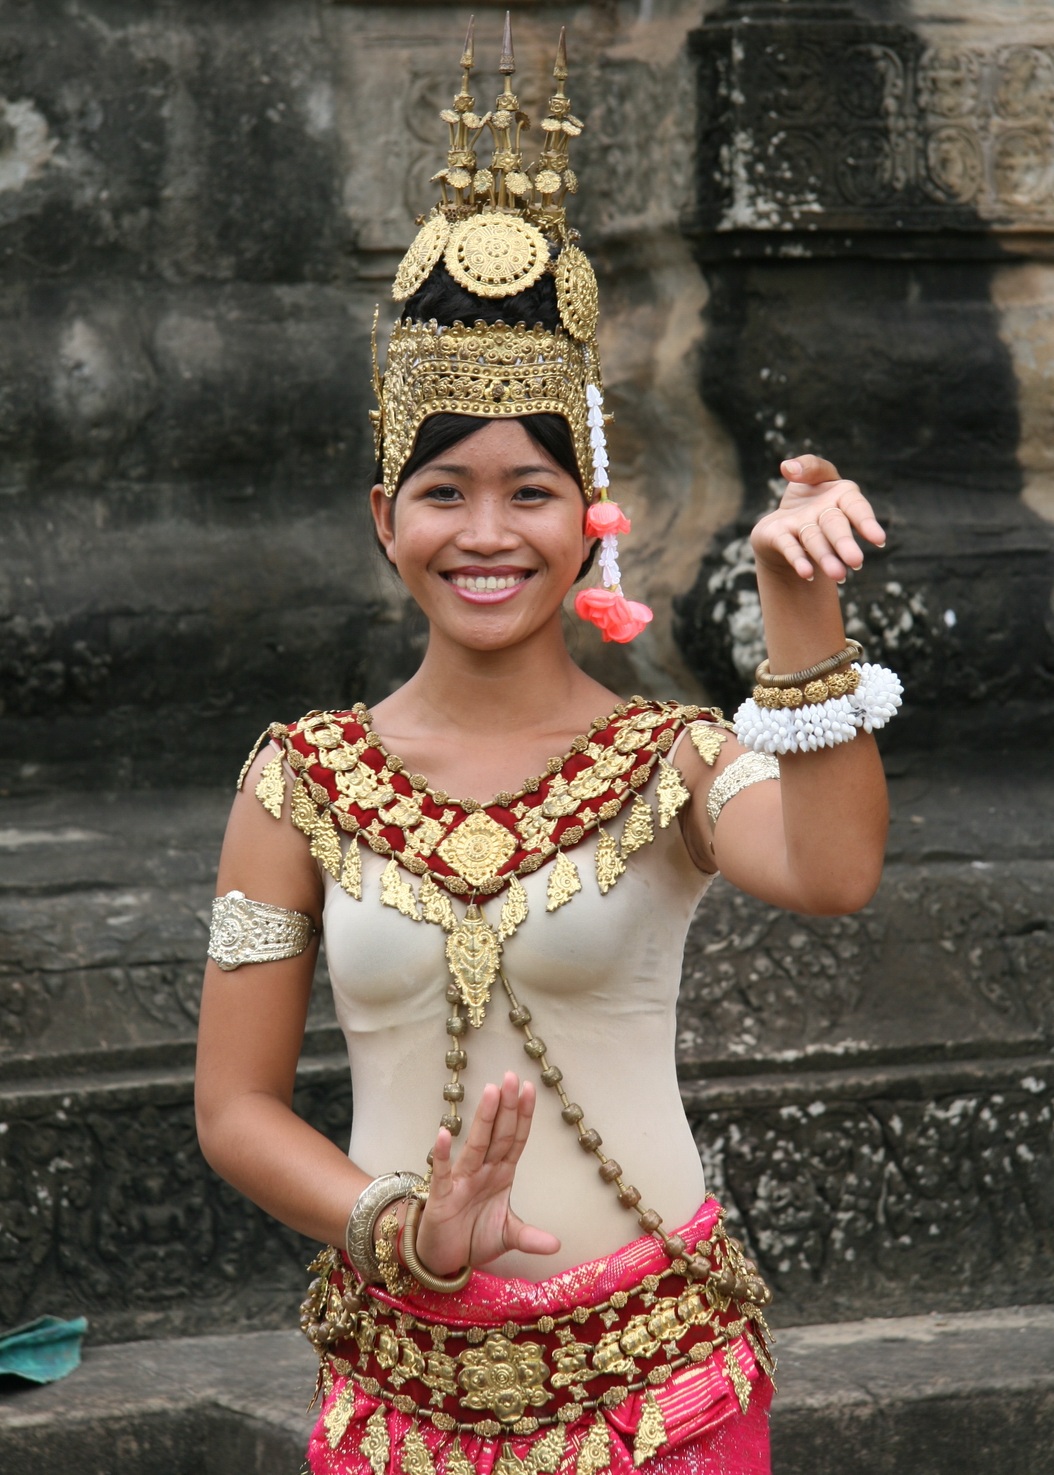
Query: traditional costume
point(442, 914)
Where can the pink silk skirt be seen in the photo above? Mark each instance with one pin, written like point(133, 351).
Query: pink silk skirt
point(714, 1413)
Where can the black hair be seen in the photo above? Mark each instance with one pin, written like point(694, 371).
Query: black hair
point(442, 299)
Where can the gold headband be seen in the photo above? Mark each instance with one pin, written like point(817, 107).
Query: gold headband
point(498, 231)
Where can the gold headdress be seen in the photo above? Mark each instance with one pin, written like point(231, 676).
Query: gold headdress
point(498, 229)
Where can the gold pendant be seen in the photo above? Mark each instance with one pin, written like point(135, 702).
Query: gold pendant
point(375, 1445)
point(271, 789)
point(416, 1459)
point(707, 740)
point(671, 793)
point(473, 953)
point(595, 1453)
point(651, 1431)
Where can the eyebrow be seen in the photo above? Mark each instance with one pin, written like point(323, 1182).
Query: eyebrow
point(456, 470)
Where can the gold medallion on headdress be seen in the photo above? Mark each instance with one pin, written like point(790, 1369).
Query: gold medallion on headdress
point(495, 255)
point(577, 295)
point(416, 266)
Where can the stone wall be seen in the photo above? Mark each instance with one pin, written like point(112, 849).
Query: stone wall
point(816, 225)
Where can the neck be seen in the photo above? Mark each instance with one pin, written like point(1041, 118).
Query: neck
point(458, 689)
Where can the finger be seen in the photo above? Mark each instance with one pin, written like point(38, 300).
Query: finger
point(528, 1237)
point(808, 469)
point(528, 1098)
point(793, 550)
point(860, 513)
point(503, 1133)
point(834, 523)
point(818, 547)
point(474, 1153)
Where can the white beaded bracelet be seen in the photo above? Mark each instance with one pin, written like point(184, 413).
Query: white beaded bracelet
point(822, 724)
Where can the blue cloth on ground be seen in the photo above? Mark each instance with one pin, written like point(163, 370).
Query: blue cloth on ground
point(42, 1351)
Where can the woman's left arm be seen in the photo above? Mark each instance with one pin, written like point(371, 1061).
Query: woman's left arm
point(815, 842)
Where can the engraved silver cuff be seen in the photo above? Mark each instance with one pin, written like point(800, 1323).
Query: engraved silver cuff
point(371, 1203)
point(245, 931)
point(747, 769)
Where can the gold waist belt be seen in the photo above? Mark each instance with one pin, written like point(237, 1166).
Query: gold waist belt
point(514, 1377)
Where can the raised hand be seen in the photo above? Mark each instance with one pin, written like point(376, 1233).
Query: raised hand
point(468, 1219)
point(816, 524)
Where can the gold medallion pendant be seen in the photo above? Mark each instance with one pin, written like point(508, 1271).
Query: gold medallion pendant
point(425, 250)
point(496, 255)
point(577, 295)
point(473, 953)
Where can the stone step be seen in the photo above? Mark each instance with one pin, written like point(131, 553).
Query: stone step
point(971, 1394)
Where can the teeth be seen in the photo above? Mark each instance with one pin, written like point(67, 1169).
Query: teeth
point(485, 583)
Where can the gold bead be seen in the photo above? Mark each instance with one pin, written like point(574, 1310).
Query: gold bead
point(674, 1246)
point(456, 1059)
point(453, 994)
point(629, 1197)
point(572, 1114)
point(790, 696)
point(699, 1267)
point(610, 1170)
point(649, 1221)
point(452, 1123)
point(534, 1048)
point(455, 1025)
point(552, 1075)
point(453, 1091)
point(589, 1140)
point(815, 691)
point(521, 1015)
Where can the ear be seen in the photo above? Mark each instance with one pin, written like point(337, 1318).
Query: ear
point(383, 511)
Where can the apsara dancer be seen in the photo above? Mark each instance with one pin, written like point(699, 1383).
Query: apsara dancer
point(508, 1291)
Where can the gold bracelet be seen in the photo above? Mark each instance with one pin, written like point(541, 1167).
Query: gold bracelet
point(838, 684)
point(446, 1285)
point(852, 651)
point(362, 1221)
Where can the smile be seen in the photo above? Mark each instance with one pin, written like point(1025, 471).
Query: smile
point(488, 588)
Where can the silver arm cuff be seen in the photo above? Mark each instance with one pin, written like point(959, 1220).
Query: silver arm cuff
point(371, 1203)
point(245, 931)
point(747, 769)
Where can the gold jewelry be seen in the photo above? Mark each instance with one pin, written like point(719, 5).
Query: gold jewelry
point(498, 229)
point(852, 651)
point(387, 1255)
point(445, 1284)
point(245, 931)
point(803, 530)
point(741, 773)
point(823, 514)
point(362, 1221)
point(838, 684)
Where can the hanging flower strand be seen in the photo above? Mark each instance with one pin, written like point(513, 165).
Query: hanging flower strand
point(618, 618)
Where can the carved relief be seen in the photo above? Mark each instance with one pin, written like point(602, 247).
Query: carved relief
point(866, 127)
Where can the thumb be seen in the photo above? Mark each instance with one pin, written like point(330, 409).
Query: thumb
point(528, 1238)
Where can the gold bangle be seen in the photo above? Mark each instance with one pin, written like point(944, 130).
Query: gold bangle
point(837, 684)
point(446, 1285)
point(852, 651)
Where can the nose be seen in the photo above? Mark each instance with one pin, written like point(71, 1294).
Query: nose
point(486, 528)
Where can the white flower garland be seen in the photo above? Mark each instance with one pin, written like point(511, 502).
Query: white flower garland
point(597, 438)
point(822, 724)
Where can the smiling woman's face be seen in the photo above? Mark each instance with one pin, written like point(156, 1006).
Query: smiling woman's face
point(488, 537)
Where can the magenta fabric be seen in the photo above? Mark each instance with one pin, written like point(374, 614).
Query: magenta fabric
point(707, 1432)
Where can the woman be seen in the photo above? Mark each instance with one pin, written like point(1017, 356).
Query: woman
point(497, 1307)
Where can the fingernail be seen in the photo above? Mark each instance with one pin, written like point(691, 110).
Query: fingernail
point(795, 466)
point(840, 582)
point(882, 544)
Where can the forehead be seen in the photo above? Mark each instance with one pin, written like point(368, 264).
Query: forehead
point(502, 446)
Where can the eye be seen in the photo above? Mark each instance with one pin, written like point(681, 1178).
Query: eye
point(444, 493)
point(532, 494)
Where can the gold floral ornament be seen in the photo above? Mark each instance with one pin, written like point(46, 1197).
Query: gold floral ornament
point(577, 294)
point(503, 1377)
point(416, 266)
point(496, 255)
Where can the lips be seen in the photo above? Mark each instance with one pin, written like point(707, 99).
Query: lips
point(487, 586)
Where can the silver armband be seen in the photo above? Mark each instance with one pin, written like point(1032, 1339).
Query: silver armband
point(747, 769)
point(245, 931)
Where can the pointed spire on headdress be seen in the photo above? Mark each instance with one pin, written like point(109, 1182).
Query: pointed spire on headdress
point(553, 180)
point(507, 65)
point(468, 56)
point(465, 128)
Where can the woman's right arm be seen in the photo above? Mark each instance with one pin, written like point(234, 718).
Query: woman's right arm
point(249, 1038)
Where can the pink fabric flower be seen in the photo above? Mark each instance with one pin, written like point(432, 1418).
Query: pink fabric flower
point(605, 517)
point(616, 617)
